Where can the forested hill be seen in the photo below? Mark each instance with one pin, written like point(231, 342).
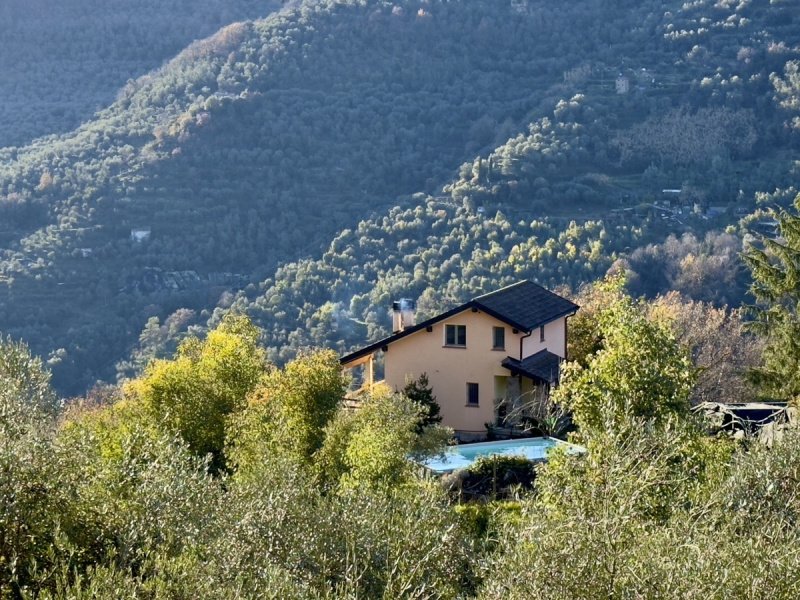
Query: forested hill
point(260, 143)
point(62, 61)
point(478, 235)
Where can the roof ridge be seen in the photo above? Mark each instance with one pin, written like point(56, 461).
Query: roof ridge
point(502, 289)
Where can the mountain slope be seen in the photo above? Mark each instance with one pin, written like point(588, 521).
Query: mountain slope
point(255, 146)
point(477, 238)
point(61, 61)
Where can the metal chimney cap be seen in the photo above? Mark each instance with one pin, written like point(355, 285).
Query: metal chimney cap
point(404, 304)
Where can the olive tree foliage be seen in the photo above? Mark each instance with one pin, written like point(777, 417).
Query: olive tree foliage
point(578, 536)
point(640, 371)
point(685, 137)
point(154, 501)
point(185, 577)
point(288, 412)
point(725, 526)
point(25, 391)
point(29, 492)
point(775, 266)
point(371, 446)
point(328, 493)
point(390, 542)
point(192, 394)
point(787, 89)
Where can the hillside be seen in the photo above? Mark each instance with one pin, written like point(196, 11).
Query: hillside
point(62, 61)
point(257, 145)
point(449, 248)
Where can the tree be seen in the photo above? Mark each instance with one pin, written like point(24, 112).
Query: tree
point(640, 372)
point(26, 398)
point(613, 523)
point(29, 496)
point(585, 337)
point(371, 446)
point(420, 391)
point(194, 393)
point(289, 411)
point(719, 345)
point(775, 267)
point(788, 90)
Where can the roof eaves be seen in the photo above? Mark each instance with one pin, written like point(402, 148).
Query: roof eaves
point(566, 313)
point(405, 333)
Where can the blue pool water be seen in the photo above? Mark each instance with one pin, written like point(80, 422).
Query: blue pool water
point(463, 455)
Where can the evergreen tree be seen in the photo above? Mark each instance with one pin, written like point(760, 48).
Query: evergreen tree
point(775, 267)
point(419, 390)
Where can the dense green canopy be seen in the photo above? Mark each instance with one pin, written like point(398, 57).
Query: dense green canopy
point(258, 145)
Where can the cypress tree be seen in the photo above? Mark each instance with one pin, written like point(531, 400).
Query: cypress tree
point(775, 267)
point(419, 390)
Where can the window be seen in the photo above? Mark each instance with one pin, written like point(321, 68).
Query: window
point(455, 335)
point(498, 338)
point(472, 394)
point(541, 333)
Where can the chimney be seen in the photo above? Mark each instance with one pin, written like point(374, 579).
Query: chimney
point(402, 314)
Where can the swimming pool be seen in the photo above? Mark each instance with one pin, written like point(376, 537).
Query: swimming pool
point(463, 455)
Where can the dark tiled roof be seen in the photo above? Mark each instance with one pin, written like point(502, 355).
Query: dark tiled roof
point(525, 305)
point(543, 365)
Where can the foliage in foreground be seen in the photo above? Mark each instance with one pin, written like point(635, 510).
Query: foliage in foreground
point(193, 394)
point(118, 500)
point(593, 532)
point(114, 502)
point(638, 371)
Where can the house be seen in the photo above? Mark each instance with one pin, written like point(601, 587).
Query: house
point(480, 357)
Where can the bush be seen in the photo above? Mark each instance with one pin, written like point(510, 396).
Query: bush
point(492, 477)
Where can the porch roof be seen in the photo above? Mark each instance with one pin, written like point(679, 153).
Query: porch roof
point(542, 366)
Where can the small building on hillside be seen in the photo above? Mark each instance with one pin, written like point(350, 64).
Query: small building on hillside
point(622, 85)
point(140, 234)
point(481, 357)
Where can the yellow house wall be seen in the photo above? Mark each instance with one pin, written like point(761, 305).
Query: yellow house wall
point(554, 340)
point(449, 369)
